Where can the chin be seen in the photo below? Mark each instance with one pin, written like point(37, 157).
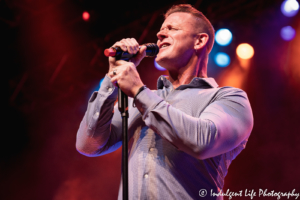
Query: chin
point(164, 63)
point(159, 61)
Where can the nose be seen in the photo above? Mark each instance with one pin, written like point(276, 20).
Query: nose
point(162, 34)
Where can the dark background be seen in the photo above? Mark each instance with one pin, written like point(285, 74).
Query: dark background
point(52, 61)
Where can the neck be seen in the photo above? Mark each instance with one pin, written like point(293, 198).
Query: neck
point(195, 68)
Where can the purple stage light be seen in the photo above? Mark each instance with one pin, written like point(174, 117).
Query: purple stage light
point(287, 33)
point(160, 68)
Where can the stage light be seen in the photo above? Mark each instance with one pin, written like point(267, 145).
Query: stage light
point(287, 33)
point(222, 59)
point(245, 51)
point(289, 8)
point(223, 37)
point(97, 87)
point(85, 16)
point(101, 82)
point(160, 68)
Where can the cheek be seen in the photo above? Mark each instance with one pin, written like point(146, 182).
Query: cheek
point(186, 42)
point(185, 47)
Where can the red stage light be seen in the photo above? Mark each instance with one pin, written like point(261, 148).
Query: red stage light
point(85, 16)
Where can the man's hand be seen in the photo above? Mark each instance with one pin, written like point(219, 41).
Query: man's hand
point(124, 73)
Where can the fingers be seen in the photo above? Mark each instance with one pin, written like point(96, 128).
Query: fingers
point(137, 59)
point(142, 52)
point(114, 80)
point(132, 47)
point(115, 63)
point(121, 45)
point(121, 62)
point(122, 68)
point(128, 44)
point(113, 72)
point(114, 75)
point(126, 78)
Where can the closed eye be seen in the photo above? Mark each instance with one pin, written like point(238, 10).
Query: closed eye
point(169, 28)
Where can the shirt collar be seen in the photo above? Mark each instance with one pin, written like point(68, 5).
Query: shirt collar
point(196, 82)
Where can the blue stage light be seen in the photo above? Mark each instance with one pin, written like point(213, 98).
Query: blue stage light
point(222, 59)
point(101, 82)
point(287, 33)
point(289, 8)
point(99, 85)
point(223, 37)
point(158, 66)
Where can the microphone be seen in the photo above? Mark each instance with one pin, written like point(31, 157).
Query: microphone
point(152, 50)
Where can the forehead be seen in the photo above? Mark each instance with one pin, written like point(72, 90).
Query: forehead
point(181, 20)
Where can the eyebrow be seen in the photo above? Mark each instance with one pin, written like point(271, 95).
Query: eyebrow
point(169, 25)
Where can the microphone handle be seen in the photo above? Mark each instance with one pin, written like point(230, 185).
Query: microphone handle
point(152, 50)
point(122, 55)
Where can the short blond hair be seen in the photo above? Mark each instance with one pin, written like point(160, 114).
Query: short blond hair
point(203, 23)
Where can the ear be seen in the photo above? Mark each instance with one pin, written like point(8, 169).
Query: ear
point(201, 41)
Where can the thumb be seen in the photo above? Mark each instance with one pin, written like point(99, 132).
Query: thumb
point(138, 58)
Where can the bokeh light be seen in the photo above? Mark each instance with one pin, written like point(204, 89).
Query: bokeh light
point(101, 82)
point(85, 16)
point(97, 87)
point(289, 8)
point(287, 33)
point(160, 68)
point(222, 59)
point(245, 51)
point(223, 37)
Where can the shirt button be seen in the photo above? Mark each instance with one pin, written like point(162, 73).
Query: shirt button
point(97, 113)
point(151, 149)
point(109, 89)
point(146, 175)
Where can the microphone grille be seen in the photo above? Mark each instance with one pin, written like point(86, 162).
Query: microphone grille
point(152, 49)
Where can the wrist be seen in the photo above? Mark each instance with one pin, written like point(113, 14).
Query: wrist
point(143, 87)
point(136, 89)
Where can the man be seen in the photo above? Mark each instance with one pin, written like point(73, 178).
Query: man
point(184, 135)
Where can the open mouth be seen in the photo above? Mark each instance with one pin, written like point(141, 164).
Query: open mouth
point(164, 45)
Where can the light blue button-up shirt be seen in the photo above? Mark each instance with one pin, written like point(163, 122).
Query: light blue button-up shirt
point(180, 141)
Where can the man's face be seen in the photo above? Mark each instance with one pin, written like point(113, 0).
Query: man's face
point(176, 40)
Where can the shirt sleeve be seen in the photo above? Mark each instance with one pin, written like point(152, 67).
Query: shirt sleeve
point(99, 131)
point(223, 125)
